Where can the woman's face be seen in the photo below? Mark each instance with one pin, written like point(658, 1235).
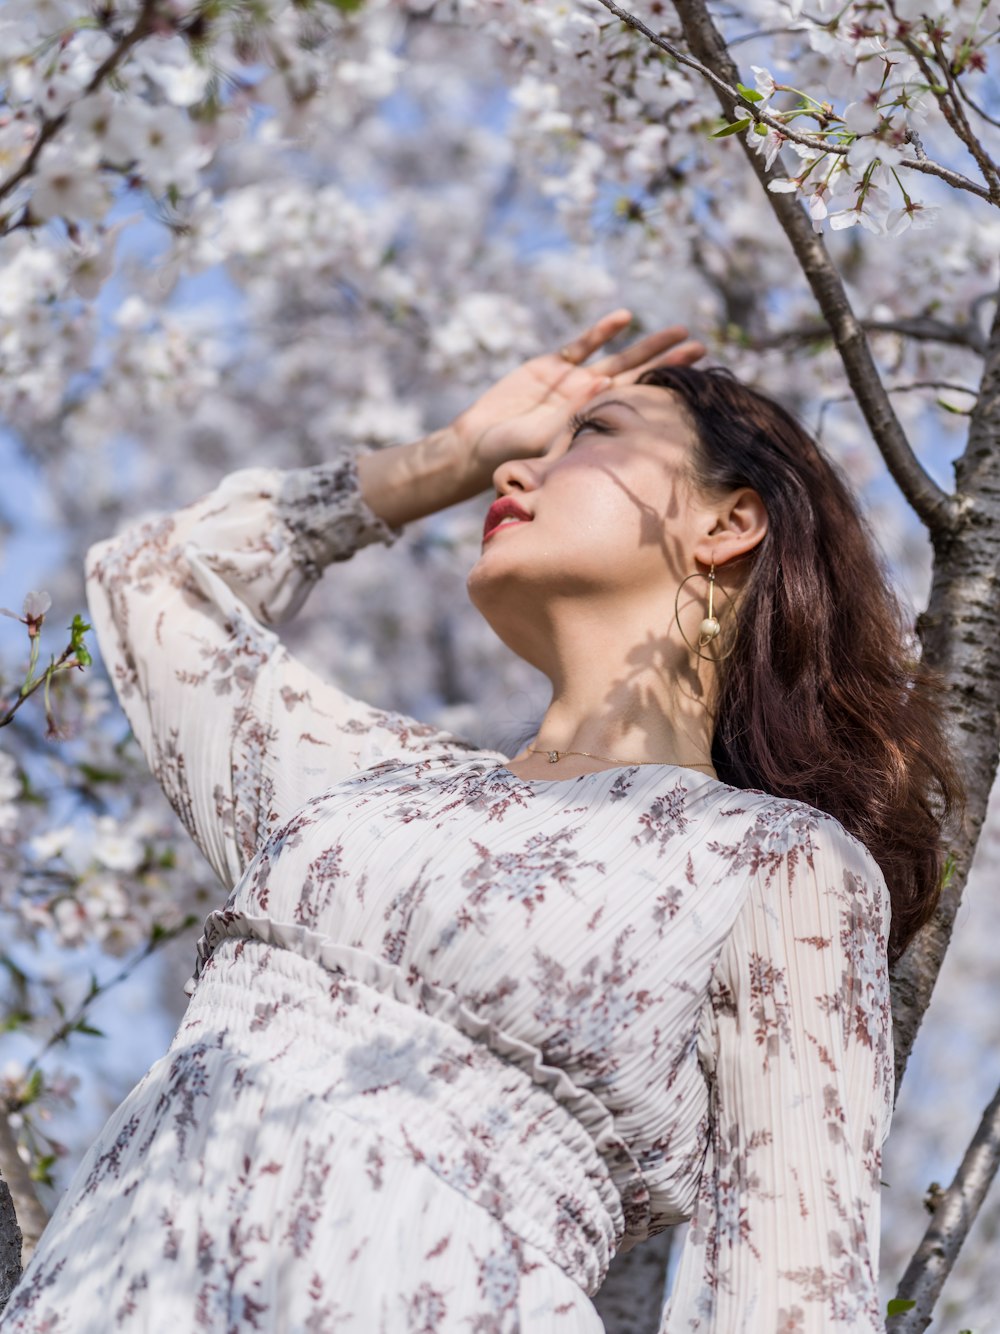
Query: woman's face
point(608, 514)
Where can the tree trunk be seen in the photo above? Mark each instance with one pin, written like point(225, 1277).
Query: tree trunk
point(631, 1298)
point(10, 1245)
point(26, 1204)
point(960, 632)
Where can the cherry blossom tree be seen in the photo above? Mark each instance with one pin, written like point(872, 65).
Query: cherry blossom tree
point(234, 230)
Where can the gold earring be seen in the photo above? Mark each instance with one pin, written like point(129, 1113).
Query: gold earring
point(709, 629)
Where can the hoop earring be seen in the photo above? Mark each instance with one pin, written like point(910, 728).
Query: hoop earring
point(709, 629)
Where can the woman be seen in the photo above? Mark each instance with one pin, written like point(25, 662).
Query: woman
point(467, 1025)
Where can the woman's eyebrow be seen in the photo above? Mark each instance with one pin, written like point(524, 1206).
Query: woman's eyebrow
point(618, 403)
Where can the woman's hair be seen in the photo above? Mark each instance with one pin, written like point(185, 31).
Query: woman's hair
point(822, 698)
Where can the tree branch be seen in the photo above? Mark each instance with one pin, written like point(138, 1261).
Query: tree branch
point(954, 1213)
point(934, 506)
point(951, 107)
point(141, 29)
point(759, 116)
point(950, 385)
point(963, 128)
point(922, 328)
point(970, 102)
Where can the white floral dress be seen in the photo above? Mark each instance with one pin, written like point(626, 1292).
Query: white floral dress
point(456, 1037)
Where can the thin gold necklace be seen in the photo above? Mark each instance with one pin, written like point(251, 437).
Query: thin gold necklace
point(556, 755)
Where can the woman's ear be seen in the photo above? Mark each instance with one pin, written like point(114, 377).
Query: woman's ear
point(740, 523)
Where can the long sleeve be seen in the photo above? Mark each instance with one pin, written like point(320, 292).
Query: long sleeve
point(237, 731)
point(796, 1044)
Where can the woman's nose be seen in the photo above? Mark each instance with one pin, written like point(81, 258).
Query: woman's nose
point(515, 475)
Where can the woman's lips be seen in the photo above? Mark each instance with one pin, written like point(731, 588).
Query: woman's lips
point(504, 508)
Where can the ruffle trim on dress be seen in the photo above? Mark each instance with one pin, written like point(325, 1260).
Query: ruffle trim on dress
point(628, 1203)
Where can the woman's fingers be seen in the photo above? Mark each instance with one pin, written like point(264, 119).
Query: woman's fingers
point(666, 347)
point(577, 350)
point(644, 351)
point(684, 354)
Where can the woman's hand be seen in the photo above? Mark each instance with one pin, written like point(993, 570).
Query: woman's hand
point(521, 414)
point(518, 417)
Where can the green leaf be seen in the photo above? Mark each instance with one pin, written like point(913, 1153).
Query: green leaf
point(77, 630)
point(948, 872)
point(751, 94)
point(735, 128)
point(95, 775)
point(14, 1019)
point(34, 1088)
point(41, 1169)
point(898, 1305)
point(83, 1027)
point(760, 129)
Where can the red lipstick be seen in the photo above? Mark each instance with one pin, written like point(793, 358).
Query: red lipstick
point(504, 508)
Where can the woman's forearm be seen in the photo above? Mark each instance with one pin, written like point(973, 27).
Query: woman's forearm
point(405, 482)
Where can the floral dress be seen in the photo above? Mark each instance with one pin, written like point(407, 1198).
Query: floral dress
point(457, 1038)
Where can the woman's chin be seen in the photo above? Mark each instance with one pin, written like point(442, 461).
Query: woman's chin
point(499, 581)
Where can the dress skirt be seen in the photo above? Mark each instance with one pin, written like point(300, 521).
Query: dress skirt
point(312, 1155)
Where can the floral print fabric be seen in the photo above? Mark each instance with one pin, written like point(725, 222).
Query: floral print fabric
point(456, 1038)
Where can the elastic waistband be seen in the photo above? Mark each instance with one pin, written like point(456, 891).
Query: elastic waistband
point(479, 1121)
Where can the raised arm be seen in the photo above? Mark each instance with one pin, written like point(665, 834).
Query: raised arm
point(797, 1047)
point(237, 731)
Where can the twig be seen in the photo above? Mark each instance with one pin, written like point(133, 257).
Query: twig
point(142, 28)
point(962, 127)
point(951, 106)
point(61, 664)
point(70, 1025)
point(926, 167)
point(761, 117)
point(934, 506)
point(923, 328)
point(970, 102)
point(954, 1213)
point(829, 401)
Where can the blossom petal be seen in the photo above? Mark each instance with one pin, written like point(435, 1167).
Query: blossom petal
point(36, 604)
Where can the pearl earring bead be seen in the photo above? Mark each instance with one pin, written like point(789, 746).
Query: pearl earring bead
point(709, 628)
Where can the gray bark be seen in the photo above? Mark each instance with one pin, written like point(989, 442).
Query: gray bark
point(10, 1245)
point(27, 1206)
point(631, 1298)
point(960, 632)
point(954, 1212)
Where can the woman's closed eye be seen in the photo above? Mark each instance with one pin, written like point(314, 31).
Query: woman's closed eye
point(580, 422)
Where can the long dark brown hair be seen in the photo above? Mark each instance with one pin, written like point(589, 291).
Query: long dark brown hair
point(823, 698)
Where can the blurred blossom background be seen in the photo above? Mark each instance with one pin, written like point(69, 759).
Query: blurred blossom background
point(272, 228)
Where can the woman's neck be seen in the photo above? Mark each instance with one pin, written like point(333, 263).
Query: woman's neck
point(619, 700)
